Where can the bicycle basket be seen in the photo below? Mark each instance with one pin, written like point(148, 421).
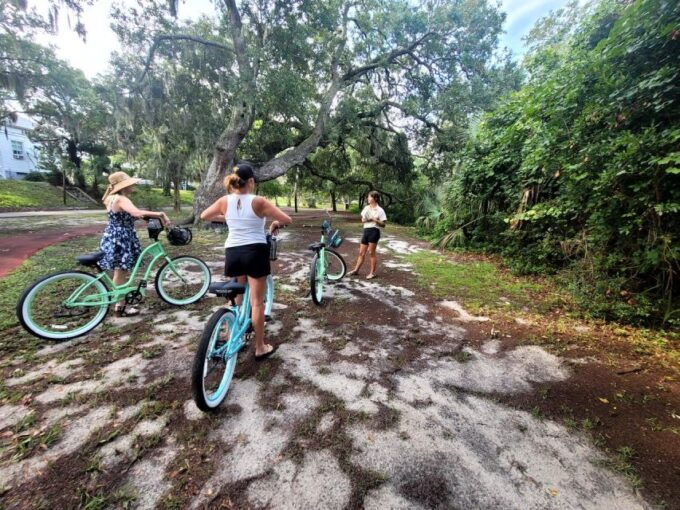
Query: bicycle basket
point(155, 228)
point(179, 236)
point(335, 239)
point(271, 242)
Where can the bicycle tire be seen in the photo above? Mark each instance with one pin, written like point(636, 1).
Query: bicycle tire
point(269, 296)
point(336, 278)
point(199, 366)
point(24, 302)
point(316, 283)
point(192, 299)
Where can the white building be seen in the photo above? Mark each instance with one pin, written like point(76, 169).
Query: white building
point(18, 154)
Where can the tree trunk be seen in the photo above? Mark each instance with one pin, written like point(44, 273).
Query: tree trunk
point(63, 184)
point(335, 207)
point(167, 184)
point(295, 191)
point(212, 185)
point(175, 181)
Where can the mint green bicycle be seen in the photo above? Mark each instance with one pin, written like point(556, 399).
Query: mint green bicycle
point(69, 304)
point(327, 264)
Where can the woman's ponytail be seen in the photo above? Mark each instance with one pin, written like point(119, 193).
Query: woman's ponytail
point(233, 181)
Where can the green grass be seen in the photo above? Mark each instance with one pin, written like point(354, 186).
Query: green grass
point(31, 195)
point(152, 198)
point(478, 284)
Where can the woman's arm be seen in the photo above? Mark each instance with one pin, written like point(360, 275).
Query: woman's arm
point(265, 209)
point(217, 211)
point(126, 205)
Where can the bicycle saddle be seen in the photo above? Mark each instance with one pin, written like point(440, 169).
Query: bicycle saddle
point(90, 259)
point(316, 246)
point(226, 289)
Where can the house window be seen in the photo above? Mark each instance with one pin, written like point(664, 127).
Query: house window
point(17, 149)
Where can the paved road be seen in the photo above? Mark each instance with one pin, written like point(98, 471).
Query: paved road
point(68, 212)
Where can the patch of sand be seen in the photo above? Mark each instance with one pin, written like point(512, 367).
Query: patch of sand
point(318, 483)
point(116, 374)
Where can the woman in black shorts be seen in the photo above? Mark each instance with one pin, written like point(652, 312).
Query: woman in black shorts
point(374, 218)
point(246, 250)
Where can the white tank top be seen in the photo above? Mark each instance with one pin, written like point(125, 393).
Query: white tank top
point(245, 227)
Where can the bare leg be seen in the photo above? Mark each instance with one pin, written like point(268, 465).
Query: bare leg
point(257, 290)
point(239, 298)
point(119, 278)
point(360, 259)
point(374, 258)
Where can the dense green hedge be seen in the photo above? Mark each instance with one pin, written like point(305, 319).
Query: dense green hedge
point(579, 171)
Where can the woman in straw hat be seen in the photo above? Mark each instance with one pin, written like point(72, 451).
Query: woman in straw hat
point(120, 243)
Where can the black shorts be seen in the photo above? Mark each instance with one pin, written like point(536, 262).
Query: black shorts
point(248, 260)
point(371, 235)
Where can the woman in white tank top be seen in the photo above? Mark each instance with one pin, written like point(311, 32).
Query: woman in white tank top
point(246, 253)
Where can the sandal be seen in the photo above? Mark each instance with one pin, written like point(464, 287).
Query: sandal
point(353, 272)
point(122, 311)
point(371, 276)
point(266, 354)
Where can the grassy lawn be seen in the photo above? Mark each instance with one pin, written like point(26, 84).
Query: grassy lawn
point(152, 198)
point(24, 194)
point(478, 283)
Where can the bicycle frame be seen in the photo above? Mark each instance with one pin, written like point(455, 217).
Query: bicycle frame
point(154, 250)
point(239, 328)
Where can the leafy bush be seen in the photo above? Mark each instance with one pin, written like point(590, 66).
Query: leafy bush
point(34, 177)
point(579, 170)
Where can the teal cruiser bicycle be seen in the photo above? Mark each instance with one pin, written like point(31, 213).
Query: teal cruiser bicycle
point(327, 264)
point(228, 331)
point(69, 304)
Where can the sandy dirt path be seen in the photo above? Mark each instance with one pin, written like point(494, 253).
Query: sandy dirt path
point(374, 401)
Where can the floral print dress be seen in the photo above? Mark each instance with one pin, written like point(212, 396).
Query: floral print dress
point(120, 243)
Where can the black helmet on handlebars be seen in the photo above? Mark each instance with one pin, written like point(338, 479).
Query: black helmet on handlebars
point(179, 236)
point(155, 228)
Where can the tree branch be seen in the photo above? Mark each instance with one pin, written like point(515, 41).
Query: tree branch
point(356, 182)
point(177, 37)
point(384, 60)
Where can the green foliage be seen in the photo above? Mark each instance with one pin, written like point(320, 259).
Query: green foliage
point(34, 177)
point(581, 167)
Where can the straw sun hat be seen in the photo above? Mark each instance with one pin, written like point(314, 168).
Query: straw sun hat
point(117, 182)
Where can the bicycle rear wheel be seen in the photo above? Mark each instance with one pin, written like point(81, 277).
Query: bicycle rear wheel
point(183, 283)
point(46, 309)
point(211, 375)
point(335, 265)
point(316, 275)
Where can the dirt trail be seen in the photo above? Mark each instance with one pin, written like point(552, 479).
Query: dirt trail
point(374, 401)
point(17, 248)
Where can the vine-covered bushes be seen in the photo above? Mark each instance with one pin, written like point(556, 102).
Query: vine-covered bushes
point(579, 170)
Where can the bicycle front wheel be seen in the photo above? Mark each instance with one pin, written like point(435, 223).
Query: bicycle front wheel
point(212, 372)
point(63, 305)
point(269, 296)
point(316, 276)
point(183, 280)
point(335, 265)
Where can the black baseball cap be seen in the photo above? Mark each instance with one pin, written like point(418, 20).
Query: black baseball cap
point(245, 171)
